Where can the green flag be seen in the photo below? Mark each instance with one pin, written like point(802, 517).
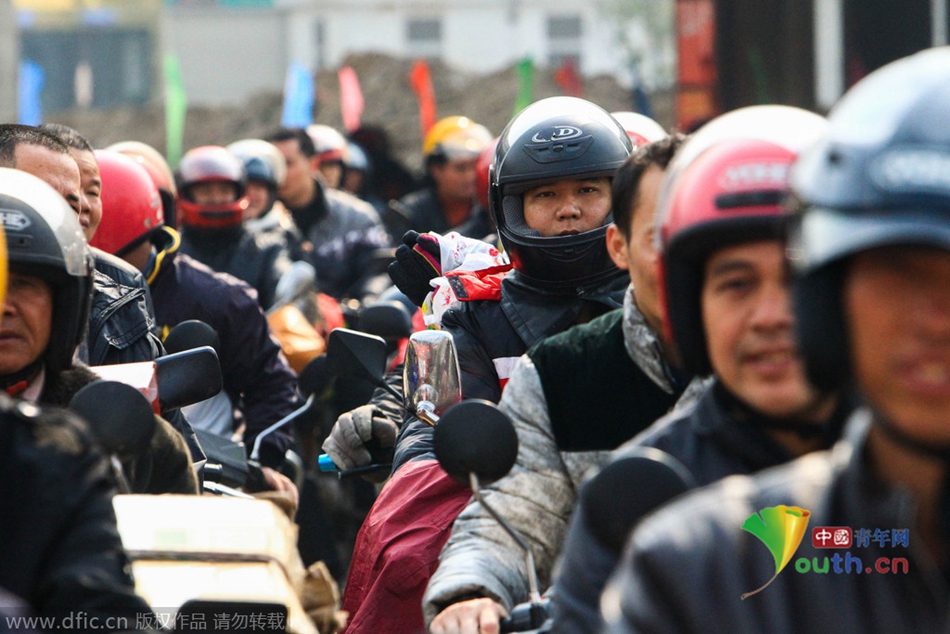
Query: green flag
point(525, 70)
point(175, 107)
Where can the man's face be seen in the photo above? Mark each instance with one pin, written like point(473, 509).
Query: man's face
point(638, 255)
point(90, 191)
point(213, 193)
point(27, 322)
point(897, 307)
point(746, 308)
point(568, 206)
point(299, 169)
point(58, 170)
point(455, 180)
point(258, 199)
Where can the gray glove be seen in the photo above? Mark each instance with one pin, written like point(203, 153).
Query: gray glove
point(353, 431)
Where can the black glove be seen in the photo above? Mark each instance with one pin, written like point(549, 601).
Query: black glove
point(418, 260)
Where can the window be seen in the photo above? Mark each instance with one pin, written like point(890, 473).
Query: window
point(424, 37)
point(564, 39)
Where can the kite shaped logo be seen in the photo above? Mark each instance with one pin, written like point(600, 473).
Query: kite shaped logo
point(781, 528)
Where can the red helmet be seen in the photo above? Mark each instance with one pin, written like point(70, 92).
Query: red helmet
point(640, 128)
point(724, 187)
point(157, 167)
point(131, 204)
point(206, 164)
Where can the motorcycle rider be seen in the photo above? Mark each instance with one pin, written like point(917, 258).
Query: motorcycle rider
point(121, 322)
point(255, 375)
point(727, 303)
point(45, 316)
point(547, 211)
point(329, 149)
point(266, 170)
point(211, 204)
point(870, 252)
point(612, 370)
point(59, 547)
point(449, 200)
point(343, 234)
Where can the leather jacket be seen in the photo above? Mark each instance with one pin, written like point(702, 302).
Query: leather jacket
point(688, 565)
point(121, 318)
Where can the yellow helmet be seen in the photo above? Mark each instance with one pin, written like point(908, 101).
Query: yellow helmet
point(456, 138)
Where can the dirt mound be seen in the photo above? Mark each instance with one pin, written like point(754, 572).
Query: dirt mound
point(390, 103)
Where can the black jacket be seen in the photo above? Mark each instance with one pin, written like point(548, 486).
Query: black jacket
point(421, 211)
point(490, 335)
point(121, 319)
point(59, 546)
point(345, 240)
point(255, 373)
point(258, 259)
point(715, 438)
point(687, 566)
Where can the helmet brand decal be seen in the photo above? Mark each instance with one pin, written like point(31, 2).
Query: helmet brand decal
point(907, 169)
point(556, 133)
point(13, 220)
point(755, 176)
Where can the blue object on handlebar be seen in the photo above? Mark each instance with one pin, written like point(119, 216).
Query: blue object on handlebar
point(326, 464)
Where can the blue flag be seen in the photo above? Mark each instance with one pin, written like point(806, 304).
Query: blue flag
point(30, 105)
point(298, 97)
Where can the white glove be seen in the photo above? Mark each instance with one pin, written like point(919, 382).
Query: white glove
point(346, 444)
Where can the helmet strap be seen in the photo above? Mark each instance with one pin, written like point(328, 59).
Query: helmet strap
point(806, 430)
point(893, 432)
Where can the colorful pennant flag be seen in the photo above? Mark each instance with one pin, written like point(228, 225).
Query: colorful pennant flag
point(421, 81)
point(351, 98)
point(525, 70)
point(30, 106)
point(298, 97)
point(176, 107)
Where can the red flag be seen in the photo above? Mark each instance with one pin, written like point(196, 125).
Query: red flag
point(351, 98)
point(568, 79)
point(421, 82)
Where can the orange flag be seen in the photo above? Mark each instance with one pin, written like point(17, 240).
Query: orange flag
point(351, 98)
point(569, 80)
point(421, 82)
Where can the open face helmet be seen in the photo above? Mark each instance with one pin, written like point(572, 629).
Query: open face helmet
point(131, 204)
point(44, 239)
point(455, 139)
point(725, 186)
point(157, 168)
point(880, 176)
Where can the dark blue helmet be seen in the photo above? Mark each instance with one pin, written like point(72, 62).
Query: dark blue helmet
point(879, 177)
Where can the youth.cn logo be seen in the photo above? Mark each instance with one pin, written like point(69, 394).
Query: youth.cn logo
point(781, 528)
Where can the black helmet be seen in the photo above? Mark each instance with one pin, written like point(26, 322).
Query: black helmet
point(551, 140)
point(880, 176)
point(44, 239)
